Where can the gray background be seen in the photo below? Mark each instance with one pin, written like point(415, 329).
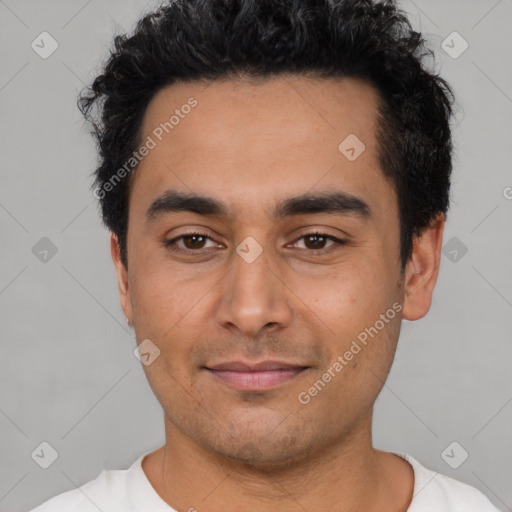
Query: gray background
point(68, 375)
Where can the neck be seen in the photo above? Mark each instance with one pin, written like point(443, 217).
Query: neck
point(346, 476)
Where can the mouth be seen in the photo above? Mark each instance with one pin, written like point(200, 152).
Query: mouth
point(261, 376)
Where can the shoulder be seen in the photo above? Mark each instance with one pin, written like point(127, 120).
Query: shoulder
point(101, 493)
point(436, 491)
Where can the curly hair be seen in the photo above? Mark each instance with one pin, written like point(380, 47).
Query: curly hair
point(195, 40)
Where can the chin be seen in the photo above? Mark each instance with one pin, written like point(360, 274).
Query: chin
point(269, 458)
point(264, 448)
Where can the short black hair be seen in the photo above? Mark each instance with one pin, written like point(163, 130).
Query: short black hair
point(201, 40)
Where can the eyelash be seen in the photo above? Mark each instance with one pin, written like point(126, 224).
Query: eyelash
point(169, 243)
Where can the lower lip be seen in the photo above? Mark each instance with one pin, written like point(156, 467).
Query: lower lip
point(256, 381)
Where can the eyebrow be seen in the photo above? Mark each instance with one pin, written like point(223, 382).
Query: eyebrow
point(337, 202)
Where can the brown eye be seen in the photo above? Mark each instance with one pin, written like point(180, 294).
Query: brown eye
point(194, 241)
point(191, 242)
point(317, 241)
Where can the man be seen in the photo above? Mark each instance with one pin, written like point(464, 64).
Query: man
point(275, 175)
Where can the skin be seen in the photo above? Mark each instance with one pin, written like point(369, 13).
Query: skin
point(251, 145)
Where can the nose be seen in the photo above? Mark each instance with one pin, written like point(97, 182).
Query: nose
point(253, 297)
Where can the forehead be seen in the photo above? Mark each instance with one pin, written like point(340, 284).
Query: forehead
point(256, 142)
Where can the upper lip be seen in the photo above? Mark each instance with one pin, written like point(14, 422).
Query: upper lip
point(239, 366)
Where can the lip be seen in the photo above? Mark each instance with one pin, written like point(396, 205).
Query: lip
point(260, 376)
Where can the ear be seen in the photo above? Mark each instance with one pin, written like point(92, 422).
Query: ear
point(122, 278)
point(422, 269)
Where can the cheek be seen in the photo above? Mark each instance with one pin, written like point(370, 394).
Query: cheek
point(350, 294)
point(159, 299)
point(173, 308)
point(356, 305)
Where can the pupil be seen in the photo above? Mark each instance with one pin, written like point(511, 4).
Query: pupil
point(192, 245)
point(317, 238)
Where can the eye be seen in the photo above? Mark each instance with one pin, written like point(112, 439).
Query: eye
point(316, 241)
point(191, 241)
point(194, 242)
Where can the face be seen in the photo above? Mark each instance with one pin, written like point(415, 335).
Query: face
point(287, 264)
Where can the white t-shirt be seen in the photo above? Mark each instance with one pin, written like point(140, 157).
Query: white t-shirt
point(129, 490)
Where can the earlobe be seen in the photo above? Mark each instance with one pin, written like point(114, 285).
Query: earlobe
point(422, 270)
point(122, 278)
